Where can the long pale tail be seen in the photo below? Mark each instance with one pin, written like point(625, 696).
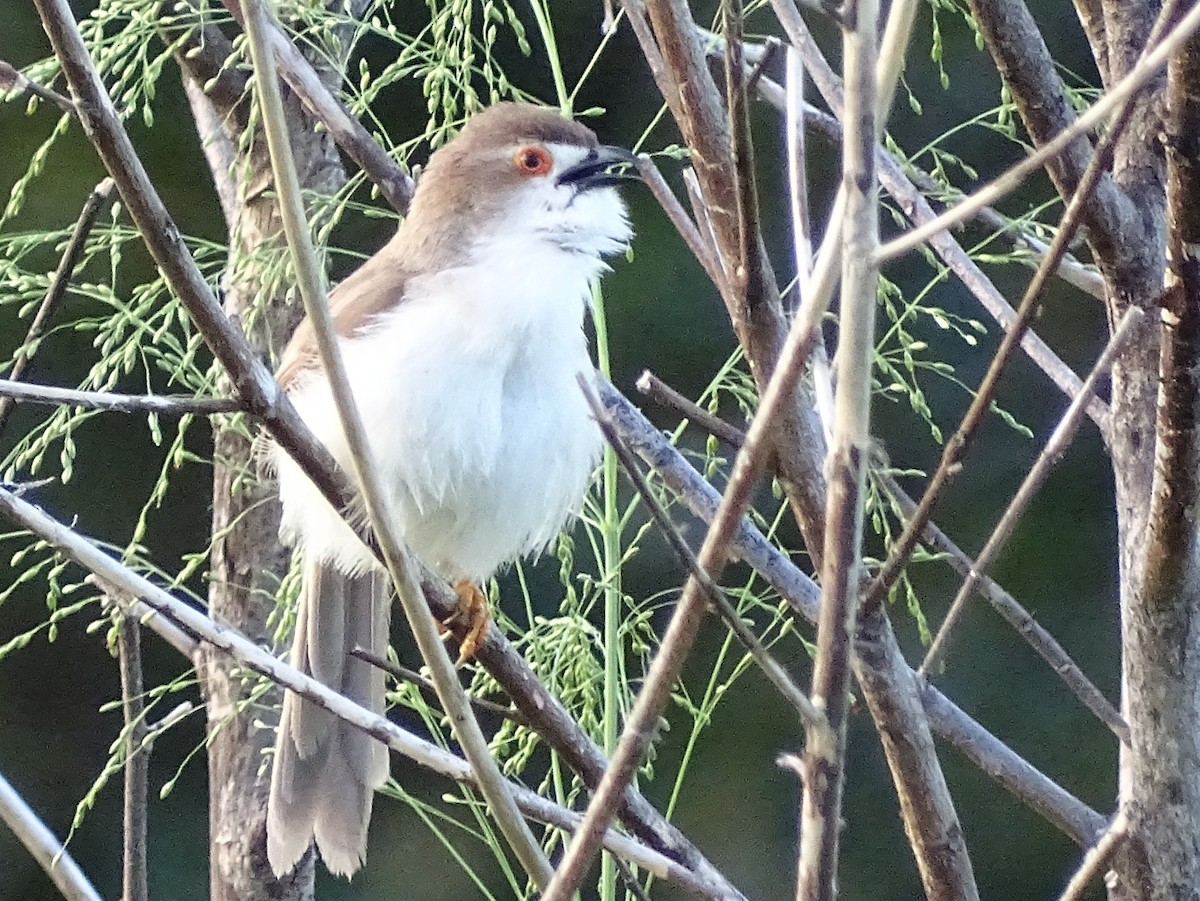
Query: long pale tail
point(325, 771)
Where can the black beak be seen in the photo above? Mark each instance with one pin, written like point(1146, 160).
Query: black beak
point(603, 167)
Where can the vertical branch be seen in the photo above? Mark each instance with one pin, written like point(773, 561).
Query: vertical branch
point(1161, 771)
point(820, 821)
point(137, 760)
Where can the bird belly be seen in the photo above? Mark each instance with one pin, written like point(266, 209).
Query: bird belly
point(484, 447)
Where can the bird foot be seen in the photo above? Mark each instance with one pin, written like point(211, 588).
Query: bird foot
point(475, 613)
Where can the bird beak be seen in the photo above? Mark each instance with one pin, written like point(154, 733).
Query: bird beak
point(602, 168)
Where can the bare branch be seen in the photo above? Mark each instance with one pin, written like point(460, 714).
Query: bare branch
point(952, 454)
point(393, 182)
point(846, 465)
point(137, 762)
point(662, 393)
point(687, 229)
point(1061, 137)
point(1060, 439)
point(774, 671)
point(1097, 858)
point(45, 848)
point(134, 593)
point(990, 754)
point(916, 207)
point(1042, 642)
point(169, 405)
point(92, 208)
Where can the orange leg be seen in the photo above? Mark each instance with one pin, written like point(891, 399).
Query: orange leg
point(474, 611)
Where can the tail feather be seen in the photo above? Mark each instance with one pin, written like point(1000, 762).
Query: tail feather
point(326, 771)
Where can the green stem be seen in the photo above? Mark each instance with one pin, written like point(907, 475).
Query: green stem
point(542, 15)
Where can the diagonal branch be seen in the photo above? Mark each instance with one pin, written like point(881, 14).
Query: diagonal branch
point(1060, 439)
point(134, 594)
point(450, 691)
point(92, 207)
point(349, 134)
point(262, 398)
point(44, 846)
point(990, 754)
point(1076, 212)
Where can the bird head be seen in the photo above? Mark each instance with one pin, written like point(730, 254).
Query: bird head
point(521, 173)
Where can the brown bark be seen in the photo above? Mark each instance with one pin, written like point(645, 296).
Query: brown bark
point(1161, 770)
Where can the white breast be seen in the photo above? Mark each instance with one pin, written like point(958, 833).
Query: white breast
point(477, 424)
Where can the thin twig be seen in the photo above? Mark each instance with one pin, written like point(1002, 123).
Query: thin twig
point(404, 674)
point(1097, 858)
point(451, 693)
point(134, 593)
point(92, 208)
point(169, 405)
point(701, 249)
point(1116, 99)
point(11, 80)
point(1061, 438)
point(956, 447)
point(774, 671)
point(45, 848)
point(660, 392)
point(797, 159)
point(1042, 642)
point(893, 177)
point(990, 754)
point(137, 761)
point(846, 466)
point(1037, 637)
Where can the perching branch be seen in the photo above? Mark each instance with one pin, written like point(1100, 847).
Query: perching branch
point(134, 593)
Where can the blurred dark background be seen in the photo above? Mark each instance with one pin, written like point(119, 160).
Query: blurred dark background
point(738, 806)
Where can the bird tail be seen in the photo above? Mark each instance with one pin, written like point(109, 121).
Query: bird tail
point(325, 771)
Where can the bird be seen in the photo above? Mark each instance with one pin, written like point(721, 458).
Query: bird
point(463, 339)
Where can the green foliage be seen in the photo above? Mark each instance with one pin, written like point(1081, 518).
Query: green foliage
point(589, 644)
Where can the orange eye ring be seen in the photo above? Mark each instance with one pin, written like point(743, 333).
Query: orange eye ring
point(533, 161)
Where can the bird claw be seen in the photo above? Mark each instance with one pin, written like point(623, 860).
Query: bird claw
point(474, 611)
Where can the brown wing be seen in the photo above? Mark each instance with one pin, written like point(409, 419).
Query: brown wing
point(376, 286)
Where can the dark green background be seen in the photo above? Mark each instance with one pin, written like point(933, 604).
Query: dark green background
point(738, 806)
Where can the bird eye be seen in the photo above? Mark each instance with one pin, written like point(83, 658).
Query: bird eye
point(533, 161)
